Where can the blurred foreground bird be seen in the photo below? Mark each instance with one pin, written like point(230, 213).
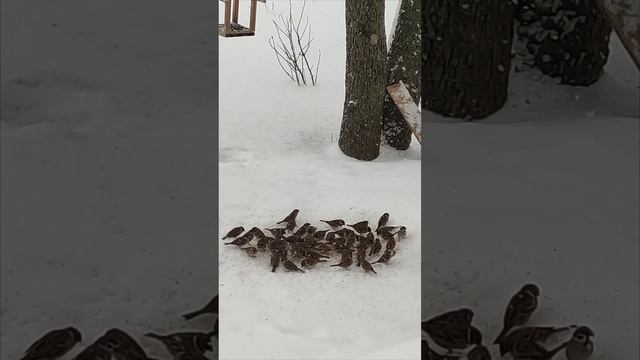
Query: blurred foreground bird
point(94, 352)
point(457, 317)
point(527, 350)
point(121, 345)
point(479, 352)
point(430, 354)
point(520, 308)
point(580, 346)
point(185, 342)
point(453, 337)
point(210, 308)
point(54, 344)
point(535, 334)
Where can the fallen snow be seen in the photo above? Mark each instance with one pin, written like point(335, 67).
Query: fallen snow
point(108, 173)
point(546, 190)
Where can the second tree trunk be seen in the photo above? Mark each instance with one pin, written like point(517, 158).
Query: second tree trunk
point(466, 56)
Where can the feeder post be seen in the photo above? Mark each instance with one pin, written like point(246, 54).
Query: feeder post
point(227, 16)
point(252, 19)
point(236, 8)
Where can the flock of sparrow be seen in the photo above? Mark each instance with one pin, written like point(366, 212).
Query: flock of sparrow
point(116, 344)
point(453, 332)
point(311, 246)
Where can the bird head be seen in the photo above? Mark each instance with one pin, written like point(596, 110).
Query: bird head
point(531, 288)
point(582, 334)
point(77, 336)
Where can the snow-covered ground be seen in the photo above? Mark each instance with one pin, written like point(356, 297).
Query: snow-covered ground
point(546, 190)
point(108, 167)
point(278, 151)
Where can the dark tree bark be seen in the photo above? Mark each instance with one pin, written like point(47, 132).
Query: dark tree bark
point(365, 79)
point(565, 38)
point(467, 56)
point(403, 64)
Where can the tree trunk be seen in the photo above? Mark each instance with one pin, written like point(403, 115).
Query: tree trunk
point(467, 56)
point(403, 64)
point(565, 38)
point(365, 79)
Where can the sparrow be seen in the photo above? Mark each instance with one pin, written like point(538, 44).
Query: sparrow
point(391, 244)
point(257, 232)
point(210, 308)
point(367, 266)
point(242, 240)
point(234, 232)
point(184, 342)
point(290, 265)
point(54, 344)
point(402, 232)
point(528, 350)
point(302, 230)
point(580, 346)
point(361, 254)
point(277, 245)
point(453, 337)
point(277, 233)
point(330, 236)
point(479, 352)
point(384, 219)
point(275, 261)
point(376, 248)
point(386, 231)
point(334, 223)
point(311, 229)
point(262, 243)
point(385, 257)
point(429, 354)
point(320, 235)
point(532, 333)
point(121, 345)
point(361, 226)
point(94, 351)
point(459, 317)
point(251, 251)
point(520, 308)
point(291, 216)
point(291, 224)
point(345, 262)
point(310, 261)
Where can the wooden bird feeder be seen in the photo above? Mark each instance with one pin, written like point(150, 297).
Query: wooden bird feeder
point(231, 27)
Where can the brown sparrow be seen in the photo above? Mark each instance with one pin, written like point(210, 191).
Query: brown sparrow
point(520, 308)
point(384, 219)
point(251, 251)
point(54, 344)
point(257, 232)
point(361, 226)
point(242, 240)
point(376, 248)
point(345, 262)
point(291, 216)
point(367, 266)
point(385, 257)
point(234, 232)
point(391, 244)
point(334, 223)
point(275, 261)
point(290, 265)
